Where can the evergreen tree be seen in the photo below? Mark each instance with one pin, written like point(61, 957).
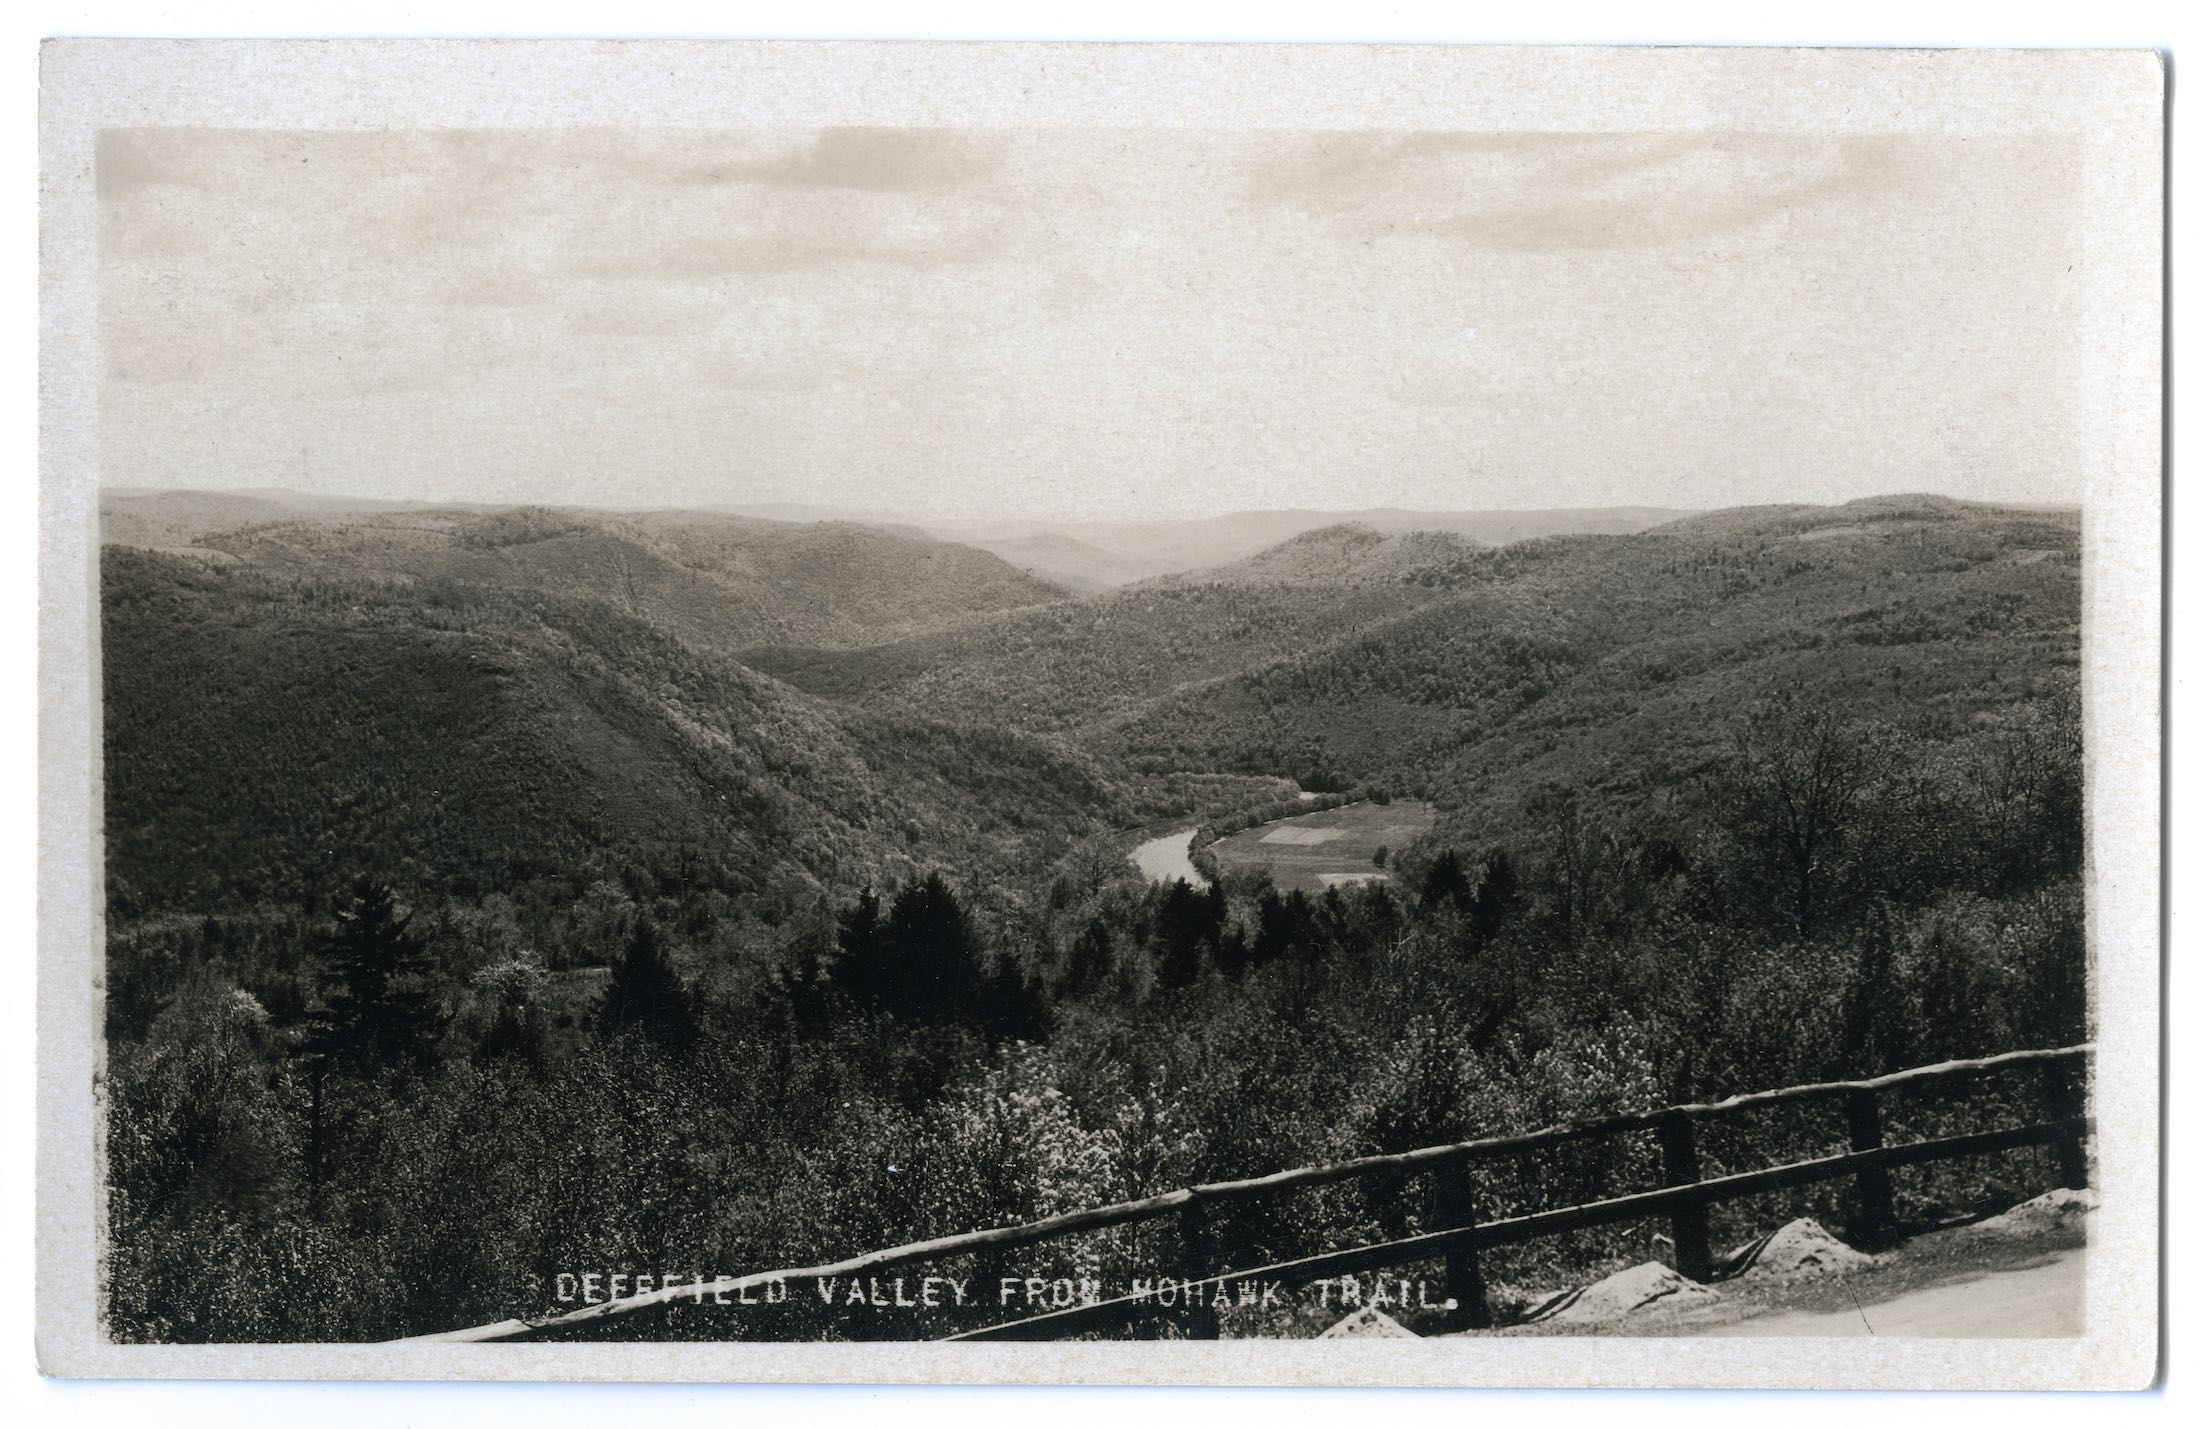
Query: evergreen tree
point(646, 993)
point(379, 1011)
point(1493, 897)
point(862, 940)
point(932, 958)
point(1184, 920)
point(1445, 881)
point(1286, 925)
point(1011, 1007)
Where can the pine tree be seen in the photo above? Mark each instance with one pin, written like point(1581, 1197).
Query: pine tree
point(646, 994)
point(1493, 898)
point(379, 1011)
point(1286, 925)
point(1183, 920)
point(934, 952)
point(1011, 1007)
point(1445, 881)
point(862, 936)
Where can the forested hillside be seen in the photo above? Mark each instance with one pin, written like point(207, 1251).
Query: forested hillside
point(270, 734)
point(713, 580)
point(1476, 675)
point(1615, 665)
point(500, 894)
point(1075, 665)
point(1357, 555)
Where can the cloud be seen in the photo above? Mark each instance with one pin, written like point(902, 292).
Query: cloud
point(879, 161)
point(798, 242)
point(1547, 193)
point(493, 288)
point(1312, 314)
point(909, 199)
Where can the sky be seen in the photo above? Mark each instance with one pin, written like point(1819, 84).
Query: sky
point(1090, 324)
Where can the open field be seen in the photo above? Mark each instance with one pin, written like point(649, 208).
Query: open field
point(1318, 851)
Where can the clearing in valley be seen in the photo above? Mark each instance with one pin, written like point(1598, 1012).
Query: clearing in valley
point(1317, 851)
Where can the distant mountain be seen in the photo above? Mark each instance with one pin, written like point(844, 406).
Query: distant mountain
point(481, 696)
point(1067, 562)
point(1140, 550)
point(1355, 554)
point(1475, 675)
point(174, 520)
point(718, 580)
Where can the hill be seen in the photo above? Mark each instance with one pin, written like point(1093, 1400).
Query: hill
point(159, 520)
point(270, 733)
point(1075, 565)
point(1483, 677)
point(803, 696)
point(1618, 664)
point(1122, 552)
point(1352, 553)
point(1058, 668)
point(716, 580)
point(629, 861)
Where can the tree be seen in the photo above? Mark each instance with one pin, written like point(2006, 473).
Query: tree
point(646, 994)
point(1011, 1006)
point(808, 989)
point(379, 1012)
point(1493, 898)
point(862, 939)
point(1091, 959)
point(1183, 922)
point(1446, 880)
point(513, 992)
point(1584, 855)
point(1286, 925)
point(932, 962)
point(1796, 776)
point(2026, 783)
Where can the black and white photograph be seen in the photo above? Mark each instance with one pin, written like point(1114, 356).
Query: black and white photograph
point(1133, 734)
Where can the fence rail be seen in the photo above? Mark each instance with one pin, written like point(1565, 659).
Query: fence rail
point(1685, 1199)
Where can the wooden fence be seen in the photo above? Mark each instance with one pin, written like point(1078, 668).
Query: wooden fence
point(1685, 1199)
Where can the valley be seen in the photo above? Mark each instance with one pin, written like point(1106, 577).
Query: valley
point(643, 802)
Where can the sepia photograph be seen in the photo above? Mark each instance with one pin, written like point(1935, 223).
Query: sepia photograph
point(1113, 731)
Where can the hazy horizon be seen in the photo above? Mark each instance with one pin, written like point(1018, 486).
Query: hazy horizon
point(911, 516)
point(1090, 325)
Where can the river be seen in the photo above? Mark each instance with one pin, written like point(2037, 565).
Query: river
point(1168, 857)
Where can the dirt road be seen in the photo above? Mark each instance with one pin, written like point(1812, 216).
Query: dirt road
point(2030, 1302)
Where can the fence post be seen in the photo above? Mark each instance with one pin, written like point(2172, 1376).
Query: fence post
point(1463, 1281)
point(1196, 1227)
point(1691, 1224)
point(1875, 1227)
point(2066, 1102)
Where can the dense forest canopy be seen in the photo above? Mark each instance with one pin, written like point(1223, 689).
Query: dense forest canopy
point(493, 893)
